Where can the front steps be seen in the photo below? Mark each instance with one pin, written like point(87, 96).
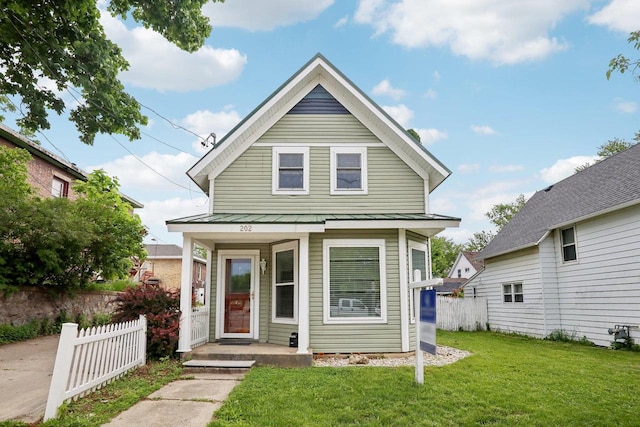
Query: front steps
point(195, 366)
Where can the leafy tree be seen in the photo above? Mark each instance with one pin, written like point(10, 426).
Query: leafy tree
point(444, 252)
point(478, 241)
point(501, 214)
point(414, 134)
point(64, 43)
point(613, 146)
point(621, 63)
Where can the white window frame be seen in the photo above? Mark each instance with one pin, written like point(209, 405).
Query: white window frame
point(563, 245)
point(419, 247)
point(60, 187)
point(350, 243)
point(275, 177)
point(283, 247)
point(512, 292)
point(333, 163)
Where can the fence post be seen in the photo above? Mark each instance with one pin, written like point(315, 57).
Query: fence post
point(61, 369)
point(142, 349)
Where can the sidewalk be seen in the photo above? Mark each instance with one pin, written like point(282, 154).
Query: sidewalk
point(185, 402)
point(25, 376)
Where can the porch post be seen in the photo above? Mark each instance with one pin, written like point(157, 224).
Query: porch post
point(184, 341)
point(303, 296)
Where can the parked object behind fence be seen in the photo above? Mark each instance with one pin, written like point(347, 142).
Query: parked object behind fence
point(88, 359)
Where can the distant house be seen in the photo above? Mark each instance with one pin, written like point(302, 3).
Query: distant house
point(319, 215)
point(466, 265)
point(49, 174)
point(570, 259)
point(163, 265)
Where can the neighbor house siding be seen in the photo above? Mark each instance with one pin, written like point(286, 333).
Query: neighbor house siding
point(600, 290)
point(346, 338)
point(245, 186)
point(520, 267)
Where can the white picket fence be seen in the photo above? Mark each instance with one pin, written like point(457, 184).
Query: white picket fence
point(88, 359)
point(467, 314)
point(199, 326)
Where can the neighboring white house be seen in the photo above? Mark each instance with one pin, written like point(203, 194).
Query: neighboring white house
point(570, 259)
point(318, 215)
point(466, 265)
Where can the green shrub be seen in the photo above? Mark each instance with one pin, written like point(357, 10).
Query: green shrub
point(10, 333)
point(162, 310)
point(560, 335)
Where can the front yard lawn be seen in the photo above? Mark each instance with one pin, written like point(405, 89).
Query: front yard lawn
point(508, 380)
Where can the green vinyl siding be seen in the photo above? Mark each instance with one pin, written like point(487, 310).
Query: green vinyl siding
point(245, 186)
point(318, 128)
point(350, 338)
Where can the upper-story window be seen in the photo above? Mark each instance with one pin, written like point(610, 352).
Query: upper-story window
point(290, 170)
point(59, 187)
point(348, 170)
point(568, 239)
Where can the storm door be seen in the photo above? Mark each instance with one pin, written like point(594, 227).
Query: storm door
point(238, 278)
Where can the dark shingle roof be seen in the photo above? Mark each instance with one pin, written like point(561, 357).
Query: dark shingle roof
point(154, 251)
point(472, 257)
point(611, 184)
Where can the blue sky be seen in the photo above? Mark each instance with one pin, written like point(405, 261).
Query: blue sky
point(509, 95)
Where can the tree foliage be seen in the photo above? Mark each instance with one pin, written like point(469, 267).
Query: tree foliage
point(62, 244)
point(501, 214)
point(50, 47)
point(612, 146)
point(479, 240)
point(621, 63)
point(444, 252)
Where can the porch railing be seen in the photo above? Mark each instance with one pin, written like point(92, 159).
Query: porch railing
point(199, 326)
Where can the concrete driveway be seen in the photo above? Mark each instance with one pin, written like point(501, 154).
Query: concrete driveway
point(25, 375)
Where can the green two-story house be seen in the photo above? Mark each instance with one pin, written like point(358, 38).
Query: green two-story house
point(318, 220)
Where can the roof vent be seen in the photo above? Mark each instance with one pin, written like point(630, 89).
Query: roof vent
point(548, 188)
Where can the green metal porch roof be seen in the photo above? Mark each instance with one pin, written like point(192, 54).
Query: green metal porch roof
point(254, 218)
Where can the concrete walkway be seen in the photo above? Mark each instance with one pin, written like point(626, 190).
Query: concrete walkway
point(25, 376)
point(185, 403)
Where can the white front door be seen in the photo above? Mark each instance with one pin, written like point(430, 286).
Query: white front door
point(238, 278)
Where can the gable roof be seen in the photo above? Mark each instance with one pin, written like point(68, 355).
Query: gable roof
point(612, 184)
point(37, 151)
point(318, 71)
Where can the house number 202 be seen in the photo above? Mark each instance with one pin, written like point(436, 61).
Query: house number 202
point(245, 228)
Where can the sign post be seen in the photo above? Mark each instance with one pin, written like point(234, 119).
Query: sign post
point(424, 300)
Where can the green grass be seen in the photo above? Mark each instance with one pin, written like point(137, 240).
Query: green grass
point(509, 380)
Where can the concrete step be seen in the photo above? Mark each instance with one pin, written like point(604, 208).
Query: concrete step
point(215, 366)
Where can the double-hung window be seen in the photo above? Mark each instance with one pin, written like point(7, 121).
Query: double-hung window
point(354, 281)
point(285, 283)
point(512, 292)
point(59, 187)
point(568, 239)
point(290, 170)
point(348, 170)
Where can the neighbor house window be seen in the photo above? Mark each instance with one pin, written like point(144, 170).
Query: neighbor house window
point(512, 292)
point(348, 170)
point(290, 170)
point(354, 281)
point(568, 238)
point(59, 187)
point(285, 282)
point(417, 270)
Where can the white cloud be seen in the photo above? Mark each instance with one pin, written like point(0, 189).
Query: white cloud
point(157, 212)
point(436, 75)
point(431, 94)
point(506, 168)
point(468, 168)
point(400, 113)
point(564, 168)
point(260, 15)
point(342, 22)
point(429, 136)
point(483, 130)
point(134, 174)
point(619, 15)
point(155, 63)
point(385, 88)
point(205, 122)
point(626, 106)
point(501, 31)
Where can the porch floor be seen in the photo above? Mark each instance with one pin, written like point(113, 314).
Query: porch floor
point(262, 354)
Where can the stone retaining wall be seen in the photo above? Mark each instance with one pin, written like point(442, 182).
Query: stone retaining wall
point(33, 303)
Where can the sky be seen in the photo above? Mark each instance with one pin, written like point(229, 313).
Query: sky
point(510, 95)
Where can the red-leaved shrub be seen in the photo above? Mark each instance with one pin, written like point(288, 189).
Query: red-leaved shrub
point(162, 310)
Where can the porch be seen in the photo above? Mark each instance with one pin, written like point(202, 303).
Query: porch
point(261, 354)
